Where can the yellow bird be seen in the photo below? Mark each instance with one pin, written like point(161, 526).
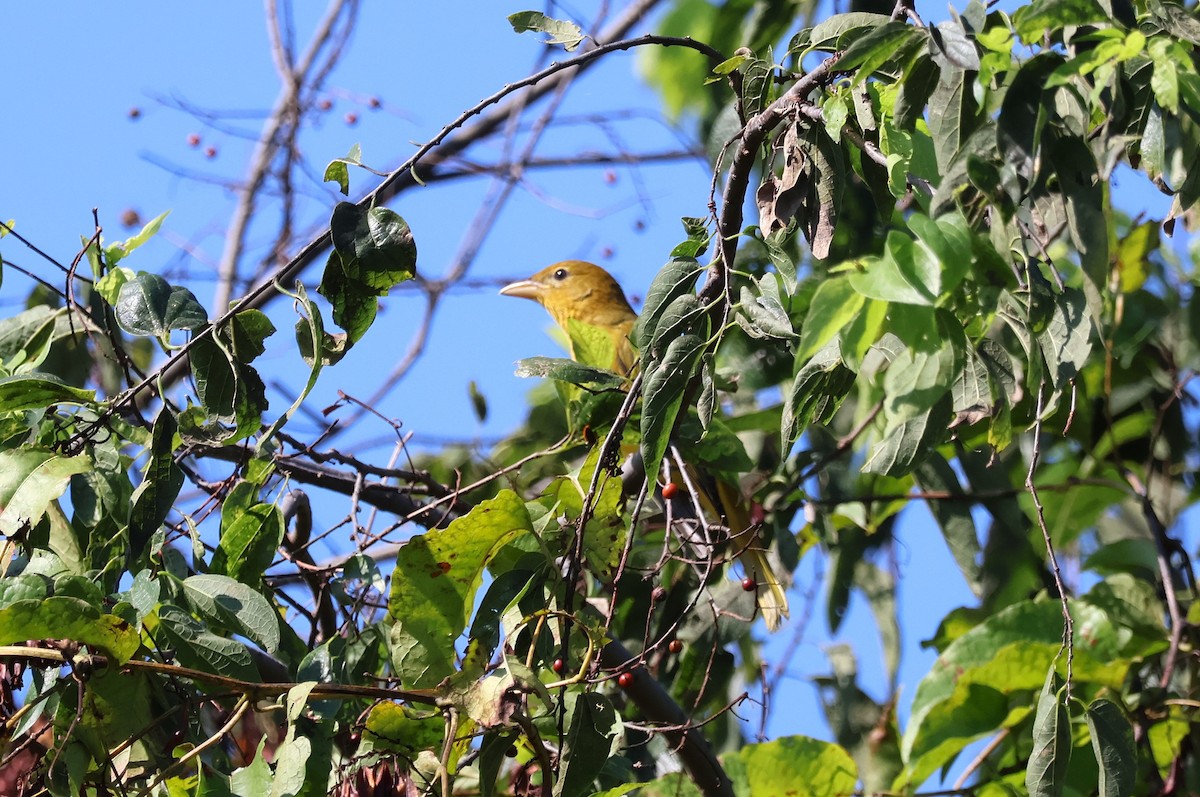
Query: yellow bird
point(580, 291)
point(584, 292)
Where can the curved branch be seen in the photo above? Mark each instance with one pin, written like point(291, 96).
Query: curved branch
point(434, 152)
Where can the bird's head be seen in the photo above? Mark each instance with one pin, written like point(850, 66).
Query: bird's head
point(574, 289)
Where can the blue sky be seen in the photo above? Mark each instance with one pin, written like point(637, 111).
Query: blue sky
point(71, 144)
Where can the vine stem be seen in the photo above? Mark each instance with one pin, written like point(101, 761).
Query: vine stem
point(1034, 458)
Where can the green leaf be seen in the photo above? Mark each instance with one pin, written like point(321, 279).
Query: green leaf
point(249, 539)
point(918, 84)
point(842, 30)
point(31, 479)
point(906, 442)
point(354, 304)
point(1066, 340)
point(776, 244)
point(1045, 774)
point(954, 44)
point(953, 516)
point(149, 305)
point(254, 778)
point(682, 315)
point(816, 394)
point(23, 587)
point(883, 43)
point(1166, 737)
point(604, 536)
point(1087, 207)
point(1037, 19)
point(238, 607)
point(376, 245)
point(391, 727)
point(885, 279)
point(662, 397)
point(373, 251)
point(1133, 254)
point(291, 760)
point(797, 765)
point(834, 305)
point(915, 381)
point(1176, 20)
point(761, 311)
point(229, 389)
point(1009, 652)
point(948, 240)
point(38, 391)
point(68, 618)
point(591, 345)
point(956, 118)
point(246, 332)
point(161, 483)
point(109, 286)
point(197, 647)
point(115, 253)
point(81, 587)
point(676, 278)
point(557, 31)
point(972, 390)
point(336, 171)
point(569, 371)
point(1112, 742)
point(757, 75)
point(434, 585)
point(593, 736)
point(17, 331)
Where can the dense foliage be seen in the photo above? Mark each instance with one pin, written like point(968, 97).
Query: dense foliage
point(938, 301)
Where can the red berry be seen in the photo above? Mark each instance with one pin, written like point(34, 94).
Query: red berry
point(625, 680)
point(657, 594)
point(374, 102)
point(610, 176)
point(669, 490)
point(749, 584)
point(558, 666)
point(325, 104)
point(193, 139)
point(674, 646)
point(210, 152)
point(135, 112)
point(351, 118)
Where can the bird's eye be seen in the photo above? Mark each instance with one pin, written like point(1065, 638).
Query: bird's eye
point(560, 274)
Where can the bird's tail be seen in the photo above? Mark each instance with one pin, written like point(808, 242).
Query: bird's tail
point(771, 596)
point(769, 590)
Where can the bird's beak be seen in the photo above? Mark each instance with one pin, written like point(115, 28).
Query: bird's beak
point(526, 289)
